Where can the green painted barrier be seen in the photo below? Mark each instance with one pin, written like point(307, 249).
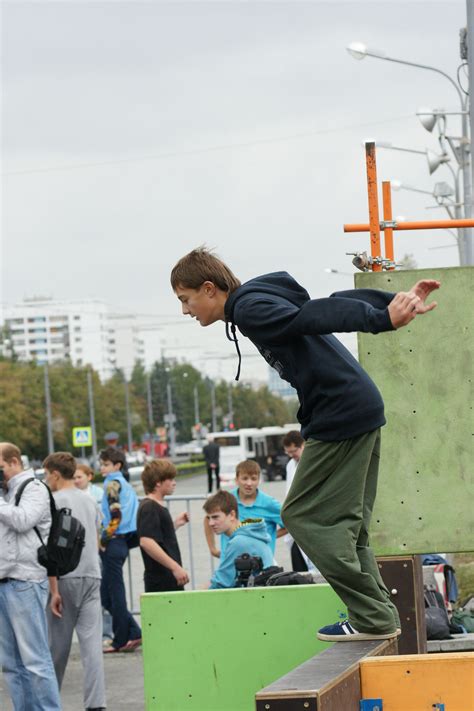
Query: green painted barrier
point(213, 650)
point(425, 499)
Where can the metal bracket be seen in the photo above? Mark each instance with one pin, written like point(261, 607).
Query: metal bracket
point(364, 262)
point(388, 223)
point(371, 705)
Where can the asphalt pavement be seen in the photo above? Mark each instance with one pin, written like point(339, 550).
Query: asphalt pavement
point(124, 672)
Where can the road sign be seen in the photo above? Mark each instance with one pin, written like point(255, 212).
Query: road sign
point(82, 436)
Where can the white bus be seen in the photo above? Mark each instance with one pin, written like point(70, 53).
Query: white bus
point(264, 444)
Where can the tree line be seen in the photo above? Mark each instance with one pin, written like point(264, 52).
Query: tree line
point(23, 410)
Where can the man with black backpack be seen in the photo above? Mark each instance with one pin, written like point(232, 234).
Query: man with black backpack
point(75, 603)
point(24, 653)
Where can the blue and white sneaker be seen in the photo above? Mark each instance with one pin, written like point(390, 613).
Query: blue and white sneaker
point(344, 632)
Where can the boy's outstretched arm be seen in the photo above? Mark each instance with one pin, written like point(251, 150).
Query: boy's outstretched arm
point(407, 304)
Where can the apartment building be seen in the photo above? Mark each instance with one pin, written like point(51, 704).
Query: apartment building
point(82, 331)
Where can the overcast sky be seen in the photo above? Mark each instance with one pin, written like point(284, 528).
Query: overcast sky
point(134, 131)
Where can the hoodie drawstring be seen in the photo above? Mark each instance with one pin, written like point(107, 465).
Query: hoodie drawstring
point(234, 340)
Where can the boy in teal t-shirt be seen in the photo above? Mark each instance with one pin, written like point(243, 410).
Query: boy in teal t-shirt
point(252, 503)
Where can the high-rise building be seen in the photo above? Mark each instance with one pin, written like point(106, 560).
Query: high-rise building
point(47, 330)
point(82, 331)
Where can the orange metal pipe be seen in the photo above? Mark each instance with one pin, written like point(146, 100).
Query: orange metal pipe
point(387, 216)
point(422, 225)
point(374, 226)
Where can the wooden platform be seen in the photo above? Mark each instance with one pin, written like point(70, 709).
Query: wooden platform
point(329, 681)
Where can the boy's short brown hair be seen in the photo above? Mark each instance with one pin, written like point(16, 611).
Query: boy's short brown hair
point(199, 266)
point(61, 462)
point(112, 454)
point(157, 471)
point(293, 437)
point(248, 466)
point(222, 501)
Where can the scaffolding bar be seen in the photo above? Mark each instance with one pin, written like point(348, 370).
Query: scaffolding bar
point(423, 225)
point(374, 227)
point(387, 216)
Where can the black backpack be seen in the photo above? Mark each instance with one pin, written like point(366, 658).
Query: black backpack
point(437, 620)
point(290, 578)
point(62, 552)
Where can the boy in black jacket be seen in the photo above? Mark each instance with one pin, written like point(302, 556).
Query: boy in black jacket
point(329, 505)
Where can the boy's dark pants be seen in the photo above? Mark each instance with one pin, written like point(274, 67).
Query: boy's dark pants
point(113, 593)
point(328, 511)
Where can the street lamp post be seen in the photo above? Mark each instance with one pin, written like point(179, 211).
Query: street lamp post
point(358, 50)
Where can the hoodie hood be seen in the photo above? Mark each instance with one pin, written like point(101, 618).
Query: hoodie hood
point(279, 284)
point(254, 528)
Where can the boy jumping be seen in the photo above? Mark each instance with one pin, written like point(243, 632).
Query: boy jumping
point(329, 505)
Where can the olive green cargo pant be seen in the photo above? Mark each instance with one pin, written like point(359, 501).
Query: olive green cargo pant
point(328, 511)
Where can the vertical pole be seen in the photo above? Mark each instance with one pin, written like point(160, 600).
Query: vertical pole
point(127, 411)
point(171, 416)
point(49, 419)
point(375, 247)
point(213, 407)
point(190, 544)
point(90, 392)
point(150, 416)
point(230, 404)
point(197, 418)
point(387, 216)
point(469, 169)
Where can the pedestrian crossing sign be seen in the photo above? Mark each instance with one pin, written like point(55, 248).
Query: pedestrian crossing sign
point(81, 436)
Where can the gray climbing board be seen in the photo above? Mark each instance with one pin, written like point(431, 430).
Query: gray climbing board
point(425, 500)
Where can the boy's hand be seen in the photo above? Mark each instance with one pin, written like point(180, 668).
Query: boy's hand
point(56, 605)
point(423, 289)
point(407, 304)
point(181, 575)
point(215, 552)
point(181, 519)
point(403, 308)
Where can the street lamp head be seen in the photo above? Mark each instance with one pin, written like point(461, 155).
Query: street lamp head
point(435, 160)
point(442, 190)
point(359, 50)
point(428, 118)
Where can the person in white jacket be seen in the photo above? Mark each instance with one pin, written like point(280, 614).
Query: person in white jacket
point(24, 652)
point(293, 444)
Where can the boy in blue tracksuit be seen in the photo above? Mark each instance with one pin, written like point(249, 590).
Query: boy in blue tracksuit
point(330, 502)
point(248, 536)
point(118, 533)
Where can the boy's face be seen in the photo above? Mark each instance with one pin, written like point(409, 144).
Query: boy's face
point(51, 479)
point(167, 487)
point(294, 452)
point(247, 483)
point(204, 304)
point(219, 522)
point(81, 480)
point(107, 467)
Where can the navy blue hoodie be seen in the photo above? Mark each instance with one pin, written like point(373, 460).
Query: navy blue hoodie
point(337, 398)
